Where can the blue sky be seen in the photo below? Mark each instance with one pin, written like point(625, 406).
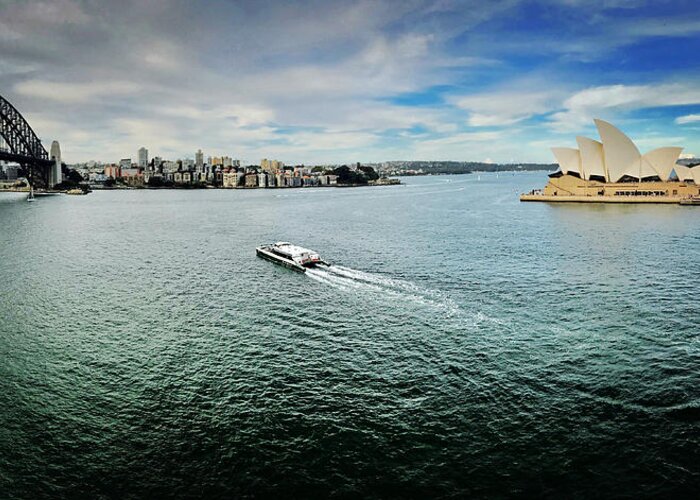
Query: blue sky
point(330, 82)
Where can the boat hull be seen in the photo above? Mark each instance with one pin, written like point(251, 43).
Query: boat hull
point(278, 259)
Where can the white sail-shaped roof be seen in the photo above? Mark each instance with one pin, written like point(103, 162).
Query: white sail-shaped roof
point(644, 169)
point(662, 160)
point(621, 155)
point(592, 159)
point(569, 160)
point(683, 173)
point(695, 173)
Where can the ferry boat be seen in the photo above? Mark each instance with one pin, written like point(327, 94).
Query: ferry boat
point(291, 256)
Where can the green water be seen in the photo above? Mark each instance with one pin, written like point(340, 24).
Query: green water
point(463, 343)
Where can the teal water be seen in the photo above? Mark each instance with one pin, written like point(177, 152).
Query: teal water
point(463, 344)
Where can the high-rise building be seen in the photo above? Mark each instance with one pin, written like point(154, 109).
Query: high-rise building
point(271, 166)
point(143, 158)
point(125, 163)
point(199, 160)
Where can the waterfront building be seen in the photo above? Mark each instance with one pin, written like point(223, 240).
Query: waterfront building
point(230, 179)
point(142, 156)
point(129, 172)
point(170, 166)
point(328, 180)
point(113, 171)
point(251, 180)
point(613, 170)
point(302, 170)
point(97, 177)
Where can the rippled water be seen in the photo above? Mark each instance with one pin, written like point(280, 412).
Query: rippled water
point(462, 344)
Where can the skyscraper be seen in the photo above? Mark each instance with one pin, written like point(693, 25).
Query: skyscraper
point(143, 158)
point(199, 160)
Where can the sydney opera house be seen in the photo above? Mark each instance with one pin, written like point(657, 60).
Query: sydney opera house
point(613, 170)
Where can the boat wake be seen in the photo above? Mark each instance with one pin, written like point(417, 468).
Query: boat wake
point(395, 290)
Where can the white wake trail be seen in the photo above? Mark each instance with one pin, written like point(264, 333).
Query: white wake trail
point(353, 280)
point(393, 289)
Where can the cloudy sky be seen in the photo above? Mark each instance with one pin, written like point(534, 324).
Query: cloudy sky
point(336, 81)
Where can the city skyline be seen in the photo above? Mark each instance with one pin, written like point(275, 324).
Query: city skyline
point(357, 80)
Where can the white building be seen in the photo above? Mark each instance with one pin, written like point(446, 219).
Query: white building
point(615, 158)
point(170, 166)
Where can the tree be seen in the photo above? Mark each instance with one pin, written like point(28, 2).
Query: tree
point(370, 173)
point(347, 176)
point(155, 181)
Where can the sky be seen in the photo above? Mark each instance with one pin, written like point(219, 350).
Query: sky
point(320, 82)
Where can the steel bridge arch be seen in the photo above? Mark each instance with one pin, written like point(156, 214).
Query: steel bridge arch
point(18, 134)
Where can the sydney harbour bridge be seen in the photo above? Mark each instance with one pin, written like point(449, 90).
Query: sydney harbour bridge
point(22, 146)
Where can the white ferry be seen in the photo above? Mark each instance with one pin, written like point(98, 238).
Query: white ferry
point(291, 256)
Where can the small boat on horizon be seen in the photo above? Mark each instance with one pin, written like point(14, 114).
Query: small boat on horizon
point(289, 255)
point(30, 196)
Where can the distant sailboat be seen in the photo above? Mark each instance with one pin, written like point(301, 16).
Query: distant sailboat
point(30, 197)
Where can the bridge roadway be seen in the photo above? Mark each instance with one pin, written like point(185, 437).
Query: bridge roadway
point(22, 159)
point(23, 146)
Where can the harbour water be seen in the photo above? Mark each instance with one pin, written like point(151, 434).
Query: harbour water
point(464, 343)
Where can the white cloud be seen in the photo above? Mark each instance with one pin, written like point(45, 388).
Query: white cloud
point(75, 92)
point(303, 82)
point(504, 108)
point(583, 106)
point(682, 120)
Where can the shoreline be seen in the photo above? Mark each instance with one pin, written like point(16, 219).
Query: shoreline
point(665, 200)
point(186, 187)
